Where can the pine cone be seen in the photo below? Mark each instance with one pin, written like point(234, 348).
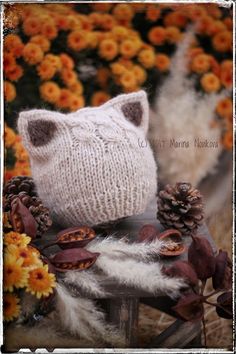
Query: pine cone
point(39, 212)
point(16, 185)
point(180, 207)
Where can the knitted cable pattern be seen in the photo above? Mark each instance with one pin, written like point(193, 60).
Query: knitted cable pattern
point(88, 166)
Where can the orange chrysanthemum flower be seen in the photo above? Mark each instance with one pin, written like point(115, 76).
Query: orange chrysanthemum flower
point(42, 41)
point(69, 77)
point(50, 91)
point(228, 23)
point(225, 108)
point(32, 53)
point(210, 82)
point(13, 44)
point(46, 70)
point(102, 7)
point(77, 40)
point(107, 22)
point(108, 49)
point(14, 275)
point(119, 33)
point(103, 75)
point(193, 52)
point(31, 26)
point(54, 60)
point(15, 73)
point(14, 238)
point(123, 12)
point(77, 88)
point(128, 49)
point(63, 100)
point(76, 102)
point(49, 30)
point(173, 34)
point(152, 13)
point(9, 136)
point(9, 91)
point(196, 12)
point(201, 63)
point(214, 11)
point(162, 62)
point(99, 98)
point(62, 22)
point(67, 61)
point(40, 282)
point(215, 66)
point(20, 152)
point(157, 35)
point(226, 74)
point(222, 41)
point(8, 62)
point(227, 140)
point(128, 80)
point(28, 254)
point(147, 58)
point(175, 18)
point(11, 307)
point(117, 68)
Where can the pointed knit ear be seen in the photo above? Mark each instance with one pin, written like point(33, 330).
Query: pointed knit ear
point(134, 107)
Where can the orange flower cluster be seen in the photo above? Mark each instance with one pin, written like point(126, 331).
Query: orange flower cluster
point(23, 268)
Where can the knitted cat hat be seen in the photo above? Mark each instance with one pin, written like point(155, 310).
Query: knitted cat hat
point(92, 166)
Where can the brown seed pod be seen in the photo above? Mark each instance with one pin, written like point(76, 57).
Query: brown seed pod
point(73, 259)
point(21, 219)
point(173, 243)
point(147, 233)
point(74, 237)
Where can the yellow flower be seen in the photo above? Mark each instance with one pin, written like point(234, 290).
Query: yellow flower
point(147, 58)
point(173, 34)
point(225, 108)
point(222, 41)
point(119, 33)
point(50, 91)
point(9, 92)
point(42, 41)
point(15, 73)
point(13, 44)
point(201, 63)
point(140, 74)
point(14, 275)
point(46, 70)
point(76, 102)
point(16, 239)
point(11, 307)
point(108, 49)
point(162, 62)
point(32, 53)
point(99, 98)
point(157, 35)
point(210, 82)
point(40, 282)
point(31, 26)
point(123, 12)
point(128, 49)
point(77, 40)
point(28, 254)
point(9, 136)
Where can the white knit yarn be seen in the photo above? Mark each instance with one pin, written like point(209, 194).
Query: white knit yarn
point(93, 170)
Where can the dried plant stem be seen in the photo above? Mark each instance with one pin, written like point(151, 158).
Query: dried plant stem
point(218, 305)
point(203, 286)
point(213, 293)
point(204, 330)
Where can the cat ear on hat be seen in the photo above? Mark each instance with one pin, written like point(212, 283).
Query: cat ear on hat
point(38, 128)
point(134, 107)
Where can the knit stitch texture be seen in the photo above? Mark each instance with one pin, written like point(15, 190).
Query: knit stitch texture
point(92, 166)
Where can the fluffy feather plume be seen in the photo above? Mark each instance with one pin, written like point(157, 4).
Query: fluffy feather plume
point(82, 318)
point(182, 115)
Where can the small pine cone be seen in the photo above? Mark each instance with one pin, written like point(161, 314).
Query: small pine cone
point(15, 186)
point(180, 207)
point(38, 210)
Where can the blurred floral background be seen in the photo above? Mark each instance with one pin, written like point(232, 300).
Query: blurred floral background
point(67, 56)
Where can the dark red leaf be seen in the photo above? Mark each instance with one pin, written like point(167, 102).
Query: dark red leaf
point(222, 278)
point(225, 309)
point(200, 255)
point(21, 219)
point(184, 270)
point(190, 307)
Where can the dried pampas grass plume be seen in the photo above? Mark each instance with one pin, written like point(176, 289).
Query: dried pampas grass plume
point(183, 115)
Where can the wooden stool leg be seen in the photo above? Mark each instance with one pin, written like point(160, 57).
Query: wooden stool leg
point(123, 312)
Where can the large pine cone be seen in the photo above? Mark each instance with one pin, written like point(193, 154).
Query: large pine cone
point(180, 207)
point(16, 185)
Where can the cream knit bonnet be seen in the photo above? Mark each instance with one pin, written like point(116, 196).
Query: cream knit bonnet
point(92, 166)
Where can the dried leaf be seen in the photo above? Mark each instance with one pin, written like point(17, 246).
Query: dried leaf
point(222, 278)
point(182, 269)
point(200, 255)
point(190, 307)
point(226, 305)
